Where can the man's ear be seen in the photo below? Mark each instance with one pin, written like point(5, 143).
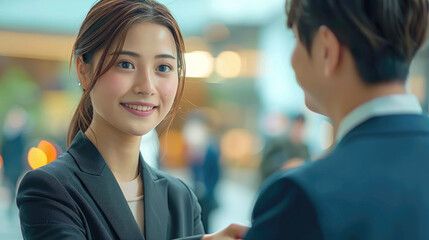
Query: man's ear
point(332, 50)
point(83, 72)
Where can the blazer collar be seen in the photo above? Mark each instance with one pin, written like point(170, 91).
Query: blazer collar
point(86, 155)
point(155, 203)
point(400, 123)
point(103, 187)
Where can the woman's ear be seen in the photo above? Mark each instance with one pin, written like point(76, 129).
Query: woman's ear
point(83, 72)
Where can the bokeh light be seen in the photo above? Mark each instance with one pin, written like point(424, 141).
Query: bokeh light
point(199, 64)
point(49, 149)
point(237, 146)
point(46, 152)
point(228, 64)
point(37, 158)
point(172, 146)
point(1, 162)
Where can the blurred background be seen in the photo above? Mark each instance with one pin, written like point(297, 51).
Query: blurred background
point(242, 117)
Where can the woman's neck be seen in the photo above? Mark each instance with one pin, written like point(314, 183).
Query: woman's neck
point(119, 150)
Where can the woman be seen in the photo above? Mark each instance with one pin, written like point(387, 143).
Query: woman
point(129, 60)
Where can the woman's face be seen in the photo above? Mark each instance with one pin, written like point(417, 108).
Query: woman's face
point(136, 94)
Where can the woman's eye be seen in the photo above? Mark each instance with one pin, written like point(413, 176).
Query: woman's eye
point(164, 68)
point(126, 65)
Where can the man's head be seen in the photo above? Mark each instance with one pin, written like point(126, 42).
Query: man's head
point(297, 129)
point(380, 36)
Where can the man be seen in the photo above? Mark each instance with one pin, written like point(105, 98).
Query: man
point(352, 58)
point(285, 151)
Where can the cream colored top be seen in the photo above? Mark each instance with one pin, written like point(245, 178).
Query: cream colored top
point(133, 192)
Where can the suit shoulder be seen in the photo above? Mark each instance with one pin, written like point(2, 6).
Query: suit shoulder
point(62, 166)
point(285, 185)
point(283, 206)
point(314, 170)
point(303, 179)
point(291, 176)
point(42, 183)
point(57, 169)
point(55, 172)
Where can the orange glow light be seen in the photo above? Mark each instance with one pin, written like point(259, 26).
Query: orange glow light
point(49, 149)
point(172, 146)
point(237, 144)
point(1, 162)
point(37, 158)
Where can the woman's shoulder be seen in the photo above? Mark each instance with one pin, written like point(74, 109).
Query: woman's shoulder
point(60, 169)
point(63, 164)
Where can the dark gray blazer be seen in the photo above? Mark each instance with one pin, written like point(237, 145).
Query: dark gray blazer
point(77, 197)
point(373, 185)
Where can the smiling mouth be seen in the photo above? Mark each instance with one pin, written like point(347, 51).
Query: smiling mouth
point(139, 107)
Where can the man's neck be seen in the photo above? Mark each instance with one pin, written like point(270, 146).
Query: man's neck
point(347, 101)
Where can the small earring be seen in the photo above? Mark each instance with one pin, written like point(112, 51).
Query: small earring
point(79, 84)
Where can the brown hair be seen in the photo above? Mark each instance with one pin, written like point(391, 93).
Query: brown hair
point(383, 36)
point(104, 29)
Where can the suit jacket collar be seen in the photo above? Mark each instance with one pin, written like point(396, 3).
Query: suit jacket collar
point(394, 104)
point(390, 124)
point(103, 187)
point(155, 203)
point(86, 155)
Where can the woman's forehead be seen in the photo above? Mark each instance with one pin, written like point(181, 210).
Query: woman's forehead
point(150, 38)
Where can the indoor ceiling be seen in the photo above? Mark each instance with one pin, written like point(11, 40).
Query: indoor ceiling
point(65, 16)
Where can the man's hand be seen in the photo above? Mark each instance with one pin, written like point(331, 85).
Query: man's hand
point(233, 231)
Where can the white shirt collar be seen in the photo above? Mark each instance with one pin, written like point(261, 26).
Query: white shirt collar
point(388, 105)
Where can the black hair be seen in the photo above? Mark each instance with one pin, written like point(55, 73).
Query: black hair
point(382, 35)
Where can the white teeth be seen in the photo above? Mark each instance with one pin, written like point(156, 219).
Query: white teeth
point(139, 107)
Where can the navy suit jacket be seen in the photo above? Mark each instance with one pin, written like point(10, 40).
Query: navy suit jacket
point(77, 197)
point(374, 185)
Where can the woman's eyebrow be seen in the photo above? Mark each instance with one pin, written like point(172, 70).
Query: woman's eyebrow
point(165, 56)
point(134, 54)
point(130, 53)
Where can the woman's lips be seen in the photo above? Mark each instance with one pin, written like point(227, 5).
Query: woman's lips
point(141, 109)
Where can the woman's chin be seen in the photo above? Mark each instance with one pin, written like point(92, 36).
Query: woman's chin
point(138, 132)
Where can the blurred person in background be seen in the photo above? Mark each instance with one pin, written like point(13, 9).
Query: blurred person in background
point(285, 151)
point(12, 150)
point(352, 60)
point(203, 155)
point(129, 60)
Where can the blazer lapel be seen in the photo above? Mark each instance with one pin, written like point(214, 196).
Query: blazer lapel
point(102, 185)
point(155, 203)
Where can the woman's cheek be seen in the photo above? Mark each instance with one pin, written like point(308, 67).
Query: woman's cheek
point(116, 83)
point(169, 89)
